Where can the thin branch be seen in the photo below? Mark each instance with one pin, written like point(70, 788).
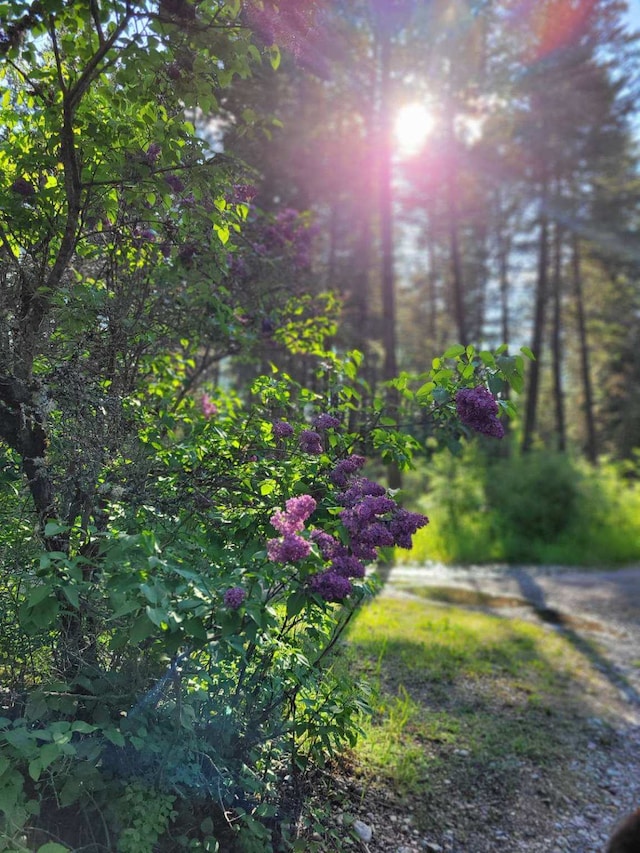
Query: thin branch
point(95, 14)
point(58, 58)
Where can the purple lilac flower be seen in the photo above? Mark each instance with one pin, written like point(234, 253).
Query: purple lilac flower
point(377, 534)
point(290, 549)
point(360, 488)
point(144, 235)
point(153, 152)
point(297, 511)
point(310, 442)
point(23, 187)
point(328, 545)
point(300, 507)
point(363, 551)
point(209, 408)
point(478, 409)
point(330, 585)
point(345, 468)
point(176, 183)
point(325, 421)
point(234, 597)
point(281, 429)
point(404, 524)
point(243, 193)
point(348, 566)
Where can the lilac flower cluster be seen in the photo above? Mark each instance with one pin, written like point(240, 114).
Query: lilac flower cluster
point(23, 187)
point(289, 231)
point(243, 193)
point(371, 518)
point(175, 183)
point(345, 468)
point(281, 429)
point(478, 409)
point(153, 153)
point(234, 597)
point(331, 586)
point(297, 511)
point(310, 442)
point(325, 421)
point(141, 236)
point(209, 408)
point(291, 547)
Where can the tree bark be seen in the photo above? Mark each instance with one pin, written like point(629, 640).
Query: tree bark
point(591, 448)
point(556, 341)
point(385, 208)
point(457, 282)
point(538, 328)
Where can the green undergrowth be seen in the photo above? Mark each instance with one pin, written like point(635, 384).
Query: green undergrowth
point(466, 703)
point(540, 508)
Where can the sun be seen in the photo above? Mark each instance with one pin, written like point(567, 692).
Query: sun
point(413, 124)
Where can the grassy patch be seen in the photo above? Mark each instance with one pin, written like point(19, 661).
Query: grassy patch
point(466, 703)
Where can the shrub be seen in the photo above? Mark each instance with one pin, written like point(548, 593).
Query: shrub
point(541, 508)
point(187, 656)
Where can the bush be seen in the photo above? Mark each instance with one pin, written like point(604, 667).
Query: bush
point(534, 498)
point(189, 659)
point(540, 508)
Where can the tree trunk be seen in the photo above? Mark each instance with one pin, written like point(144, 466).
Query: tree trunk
point(504, 248)
point(457, 282)
point(556, 341)
point(538, 328)
point(385, 209)
point(591, 448)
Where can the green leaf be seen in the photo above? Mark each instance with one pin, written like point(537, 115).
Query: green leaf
point(158, 615)
point(72, 596)
point(35, 769)
point(114, 736)
point(141, 629)
point(274, 57)
point(53, 847)
point(82, 727)
point(529, 354)
point(454, 351)
point(52, 528)
point(425, 390)
point(39, 594)
point(295, 603)
point(268, 487)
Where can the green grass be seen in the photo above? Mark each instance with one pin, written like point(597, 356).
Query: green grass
point(462, 699)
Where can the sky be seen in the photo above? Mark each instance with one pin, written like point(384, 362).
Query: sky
point(634, 13)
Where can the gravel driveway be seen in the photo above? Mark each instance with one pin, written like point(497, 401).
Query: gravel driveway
point(599, 612)
point(602, 606)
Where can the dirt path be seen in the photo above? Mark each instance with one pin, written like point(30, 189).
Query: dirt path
point(599, 611)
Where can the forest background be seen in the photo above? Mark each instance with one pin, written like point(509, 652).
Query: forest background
point(509, 217)
point(224, 282)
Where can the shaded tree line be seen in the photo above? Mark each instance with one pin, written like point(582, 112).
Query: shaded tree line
point(516, 221)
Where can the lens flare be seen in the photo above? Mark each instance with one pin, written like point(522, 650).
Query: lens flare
point(413, 124)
